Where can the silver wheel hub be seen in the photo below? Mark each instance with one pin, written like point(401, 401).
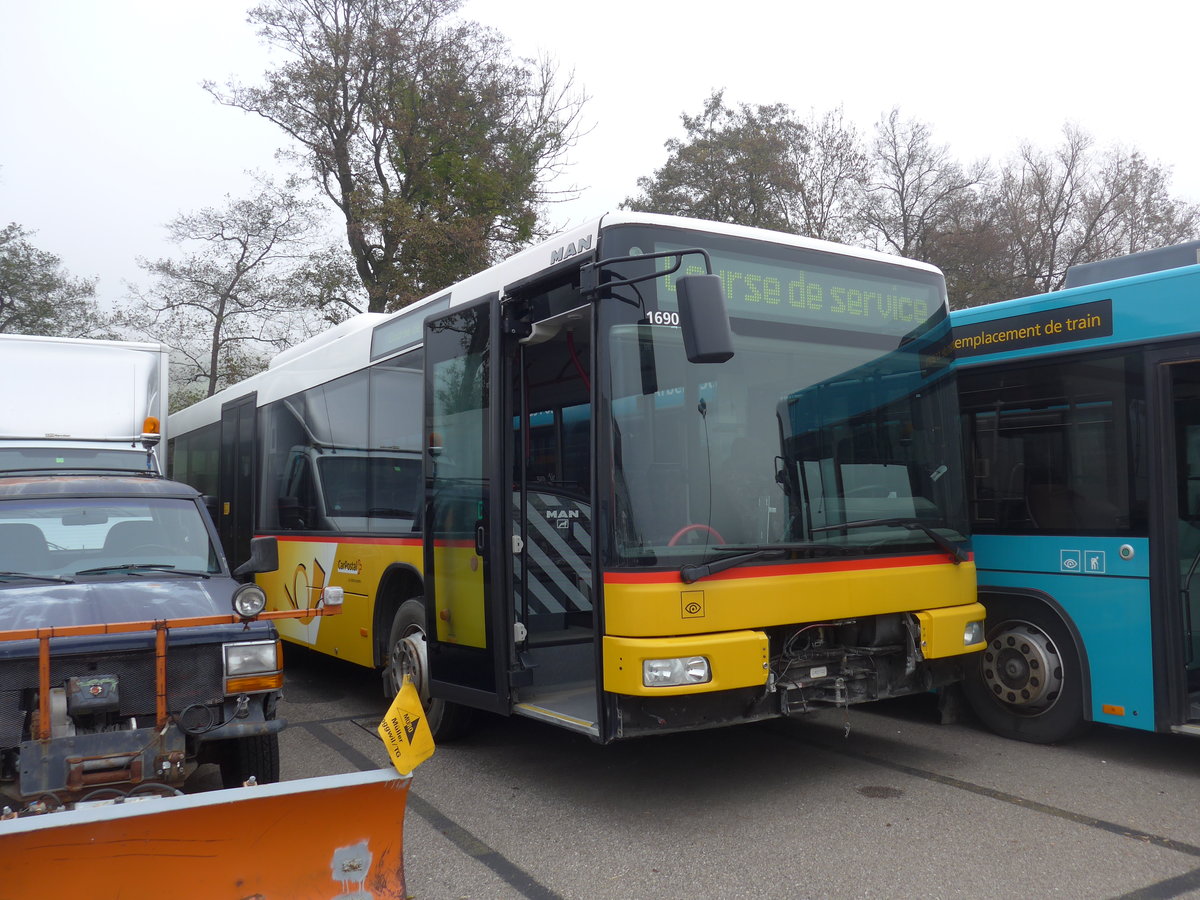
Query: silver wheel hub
point(1021, 667)
point(409, 657)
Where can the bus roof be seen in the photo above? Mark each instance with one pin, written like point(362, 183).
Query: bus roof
point(1134, 264)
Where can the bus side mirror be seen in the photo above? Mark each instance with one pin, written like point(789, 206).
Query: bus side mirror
point(264, 557)
point(707, 337)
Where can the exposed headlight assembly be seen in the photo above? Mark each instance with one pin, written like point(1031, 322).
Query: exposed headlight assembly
point(253, 667)
point(249, 600)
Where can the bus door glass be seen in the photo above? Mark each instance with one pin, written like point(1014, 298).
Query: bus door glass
point(1185, 433)
point(552, 510)
point(468, 625)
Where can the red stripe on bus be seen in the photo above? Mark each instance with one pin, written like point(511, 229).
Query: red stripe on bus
point(305, 539)
point(807, 568)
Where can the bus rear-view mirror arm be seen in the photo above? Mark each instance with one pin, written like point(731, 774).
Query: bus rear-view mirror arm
point(703, 318)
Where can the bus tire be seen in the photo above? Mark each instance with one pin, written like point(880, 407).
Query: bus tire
point(1028, 684)
point(407, 656)
point(243, 758)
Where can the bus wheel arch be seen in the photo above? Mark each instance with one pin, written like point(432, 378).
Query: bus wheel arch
point(398, 584)
point(1030, 683)
point(407, 655)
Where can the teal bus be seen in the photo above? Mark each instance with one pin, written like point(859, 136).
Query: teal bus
point(1081, 415)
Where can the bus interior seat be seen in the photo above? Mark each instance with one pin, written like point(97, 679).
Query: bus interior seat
point(23, 548)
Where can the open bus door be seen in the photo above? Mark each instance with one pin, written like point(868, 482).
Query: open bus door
point(1177, 580)
point(467, 603)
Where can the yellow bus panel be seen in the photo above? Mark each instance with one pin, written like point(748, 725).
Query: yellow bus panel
point(658, 603)
point(737, 659)
point(942, 630)
point(309, 564)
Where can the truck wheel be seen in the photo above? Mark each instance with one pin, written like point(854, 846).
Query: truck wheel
point(1028, 684)
point(407, 656)
point(244, 757)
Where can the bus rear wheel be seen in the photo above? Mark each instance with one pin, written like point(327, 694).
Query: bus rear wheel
point(1029, 682)
point(407, 655)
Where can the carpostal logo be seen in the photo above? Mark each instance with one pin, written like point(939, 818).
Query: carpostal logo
point(350, 567)
point(572, 249)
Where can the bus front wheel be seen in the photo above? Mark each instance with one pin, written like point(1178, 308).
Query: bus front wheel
point(1028, 684)
point(407, 655)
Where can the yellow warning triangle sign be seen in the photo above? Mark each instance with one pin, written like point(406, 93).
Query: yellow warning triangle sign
point(405, 731)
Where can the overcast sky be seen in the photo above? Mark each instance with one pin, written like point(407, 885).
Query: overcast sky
point(106, 133)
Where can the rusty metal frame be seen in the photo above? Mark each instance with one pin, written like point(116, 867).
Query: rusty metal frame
point(160, 626)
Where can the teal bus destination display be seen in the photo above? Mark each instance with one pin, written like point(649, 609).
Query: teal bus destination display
point(764, 288)
point(1063, 325)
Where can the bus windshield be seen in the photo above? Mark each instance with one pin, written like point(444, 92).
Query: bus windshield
point(814, 439)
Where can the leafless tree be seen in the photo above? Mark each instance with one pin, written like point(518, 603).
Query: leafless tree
point(234, 295)
point(913, 184)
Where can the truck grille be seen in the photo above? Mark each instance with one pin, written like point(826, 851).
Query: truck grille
point(194, 675)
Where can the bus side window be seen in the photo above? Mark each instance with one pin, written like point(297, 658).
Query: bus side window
point(296, 504)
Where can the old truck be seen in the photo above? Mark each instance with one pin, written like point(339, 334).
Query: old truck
point(129, 651)
point(81, 403)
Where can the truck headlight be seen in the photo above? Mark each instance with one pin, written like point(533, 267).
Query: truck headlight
point(973, 633)
point(253, 666)
point(249, 600)
point(677, 671)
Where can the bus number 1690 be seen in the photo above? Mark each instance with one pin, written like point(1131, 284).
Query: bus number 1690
point(662, 317)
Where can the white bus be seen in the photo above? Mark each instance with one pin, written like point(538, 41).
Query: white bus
point(656, 474)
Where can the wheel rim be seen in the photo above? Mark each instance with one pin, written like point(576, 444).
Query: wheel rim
point(1022, 668)
point(409, 657)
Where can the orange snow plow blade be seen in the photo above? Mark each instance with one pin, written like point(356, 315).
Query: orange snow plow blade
point(311, 838)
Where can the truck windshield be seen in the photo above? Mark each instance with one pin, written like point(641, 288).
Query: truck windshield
point(59, 538)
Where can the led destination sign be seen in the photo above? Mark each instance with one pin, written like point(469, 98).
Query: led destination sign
point(762, 288)
point(1056, 326)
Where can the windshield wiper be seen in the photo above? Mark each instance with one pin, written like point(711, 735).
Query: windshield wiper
point(956, 553)
point(60, 579)
point(750, 553)
point(136, 568)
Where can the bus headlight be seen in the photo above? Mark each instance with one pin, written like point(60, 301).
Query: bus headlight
point(973, 633)
point(672, 672)
point(249, 600)
point(253, 666)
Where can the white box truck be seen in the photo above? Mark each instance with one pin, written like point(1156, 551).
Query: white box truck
point(82, 404)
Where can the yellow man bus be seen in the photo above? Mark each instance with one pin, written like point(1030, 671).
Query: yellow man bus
point(653, 475)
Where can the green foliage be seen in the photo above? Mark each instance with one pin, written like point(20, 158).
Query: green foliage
point(733, 165)
point(432, 141)
point(38, 297)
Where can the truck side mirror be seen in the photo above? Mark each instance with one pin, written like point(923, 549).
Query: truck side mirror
point(264, 557)
point(707, 337)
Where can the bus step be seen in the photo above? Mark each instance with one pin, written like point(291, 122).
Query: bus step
point(572, 708)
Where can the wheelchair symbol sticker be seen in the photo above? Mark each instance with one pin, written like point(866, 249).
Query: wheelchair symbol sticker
point(1071, 561)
